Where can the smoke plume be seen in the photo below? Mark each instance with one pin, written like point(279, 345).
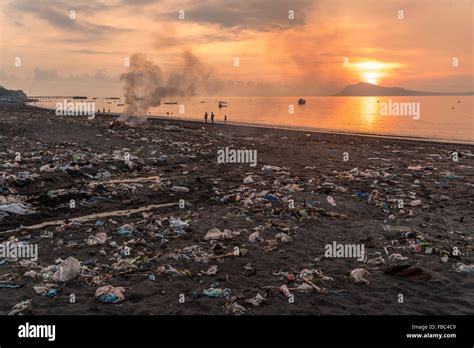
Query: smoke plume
point(146, 84)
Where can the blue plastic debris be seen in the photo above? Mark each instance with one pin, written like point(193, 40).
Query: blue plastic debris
point(52, 292)
point(217, 292)
point(125, 230)
point(108, 298)
point(9, 286)
point(271, 197)
point(361, 194)
point(312, 203)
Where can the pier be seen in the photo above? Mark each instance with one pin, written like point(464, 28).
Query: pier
point(56, 97)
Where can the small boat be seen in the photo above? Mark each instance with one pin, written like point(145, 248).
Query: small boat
point(120, 104)
point(222, 104)
point(301, 101)
point(171, 103)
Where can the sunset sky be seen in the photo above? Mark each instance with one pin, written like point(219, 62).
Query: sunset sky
point(277, 55)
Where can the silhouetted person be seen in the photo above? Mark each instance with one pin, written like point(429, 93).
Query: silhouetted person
point(212, 117)
point(225, 118)
point(103, 110)
point(205, 116)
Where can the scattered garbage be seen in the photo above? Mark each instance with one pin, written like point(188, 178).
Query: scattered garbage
point(178, 226)
point(283, 237)
point(47, 290)
point(462, 268)
point(248, 180)
point(110, 294)
point(255, 238)
point(170, 270)
point(269, 167)
point(331, 201)
point(216, 292)
point(256, 301)
point(376, 261)
point(397, 257)
point(94, 202)
point(180, 189)
point(103, 175)
point(359, 274)
point(21, 307)
point(363, 195)
point(125, 230)
point(98, 238)
point(210, 271)
point(415, 203)
point(216, 234)
point(9, 285)
point(235, 308)
point(285, 291)
point(16, 208)
point(270, 197)
point(67, 270)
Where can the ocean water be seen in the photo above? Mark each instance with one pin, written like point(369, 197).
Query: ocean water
point(438, 117)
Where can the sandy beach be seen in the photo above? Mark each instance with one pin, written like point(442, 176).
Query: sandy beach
point(184, 234)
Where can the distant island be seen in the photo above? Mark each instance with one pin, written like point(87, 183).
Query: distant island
point(12, 95)
point(363, 89)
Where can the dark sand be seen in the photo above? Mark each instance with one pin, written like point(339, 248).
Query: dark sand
point(444, 219)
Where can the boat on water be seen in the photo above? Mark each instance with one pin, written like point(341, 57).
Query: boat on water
point(222, 104)
point(301, 101)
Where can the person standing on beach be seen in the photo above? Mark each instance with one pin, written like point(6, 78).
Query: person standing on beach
point(225, 118)
point(205, 116)
point(212, 116)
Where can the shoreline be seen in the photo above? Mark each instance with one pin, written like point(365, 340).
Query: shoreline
point(296, 128)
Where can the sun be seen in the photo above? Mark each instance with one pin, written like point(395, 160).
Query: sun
point(371, 77)
point(372, 71)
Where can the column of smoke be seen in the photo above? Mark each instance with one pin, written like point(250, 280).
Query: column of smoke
point(146, 84)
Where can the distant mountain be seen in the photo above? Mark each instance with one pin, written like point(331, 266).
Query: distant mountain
point(363, 89)
point(12, 95)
